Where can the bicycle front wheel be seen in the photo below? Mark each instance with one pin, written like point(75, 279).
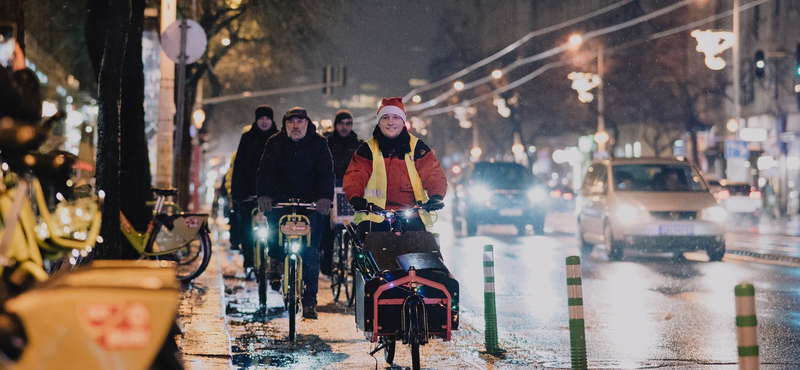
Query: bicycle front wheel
point(292, 297)
point(338, 269)
point(193, 258)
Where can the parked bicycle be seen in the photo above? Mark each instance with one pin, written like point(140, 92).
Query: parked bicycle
point(172, 235)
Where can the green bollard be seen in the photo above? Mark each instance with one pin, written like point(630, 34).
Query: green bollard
point(746, 326)
point(577, 334)
point(489, 309)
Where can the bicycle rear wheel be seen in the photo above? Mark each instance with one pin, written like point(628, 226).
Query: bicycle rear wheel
point(193, 258)
point(261, 275)
point(292, 297)
point(337, 270)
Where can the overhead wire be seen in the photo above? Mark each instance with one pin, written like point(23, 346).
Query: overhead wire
point(513, 46)
point(591, 55)
point(554, 51)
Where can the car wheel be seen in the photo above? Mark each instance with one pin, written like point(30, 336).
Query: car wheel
point(613, 249)
point(522, 228)
point(472, 228)
point(586, 248)
point(716, 254)
point(538, 226)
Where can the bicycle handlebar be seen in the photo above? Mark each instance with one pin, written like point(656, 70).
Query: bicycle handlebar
point(399, 213)
point(309, 206)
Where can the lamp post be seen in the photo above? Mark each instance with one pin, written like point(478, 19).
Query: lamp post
point(583, 82)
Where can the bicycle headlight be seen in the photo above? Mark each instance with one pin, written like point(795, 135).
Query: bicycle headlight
point(262, 233)
point(715, 214)
point(480, 193)
point(408, 213)
point(295, 247)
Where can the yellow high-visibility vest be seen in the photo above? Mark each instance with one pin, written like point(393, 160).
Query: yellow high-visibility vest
point(375, 192)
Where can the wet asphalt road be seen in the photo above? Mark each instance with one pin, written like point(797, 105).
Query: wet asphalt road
point(646, 311)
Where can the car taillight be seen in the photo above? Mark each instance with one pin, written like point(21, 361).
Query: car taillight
point(555, 193)
point(567, 196)
point(755, 195)
point(723, 194)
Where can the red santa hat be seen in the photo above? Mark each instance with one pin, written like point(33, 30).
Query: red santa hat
point(394, 106)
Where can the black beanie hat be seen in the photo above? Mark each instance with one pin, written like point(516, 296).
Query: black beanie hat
point(342, 114)
point(264, 111)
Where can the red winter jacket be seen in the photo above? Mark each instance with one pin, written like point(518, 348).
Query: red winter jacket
point(399, 193)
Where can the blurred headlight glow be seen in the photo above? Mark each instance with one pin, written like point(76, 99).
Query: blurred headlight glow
point(629, 214)
point(715, 214)
point(262, 233)
point(537, 195)
point(480, 193)
point(295, 247)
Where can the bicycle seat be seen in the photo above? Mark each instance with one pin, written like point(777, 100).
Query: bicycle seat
point(165, 192)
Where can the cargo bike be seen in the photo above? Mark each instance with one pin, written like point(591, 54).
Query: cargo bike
point(403, 291)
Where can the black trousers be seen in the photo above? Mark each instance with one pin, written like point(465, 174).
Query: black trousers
point(246, 236)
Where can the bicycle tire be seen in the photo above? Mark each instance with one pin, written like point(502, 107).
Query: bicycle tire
point(347, 272)
point(261, 276)
point(388, 351)
point(193, 258)
point(337, 268)
point(292, 296)
point(415, 361)
point(351, 276)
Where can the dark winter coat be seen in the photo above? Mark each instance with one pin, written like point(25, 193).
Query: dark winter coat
point(248, 158)
point(342, 150)
point(20, 96)
point(290, 169)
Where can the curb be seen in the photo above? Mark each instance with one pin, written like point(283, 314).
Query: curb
point(205, 343)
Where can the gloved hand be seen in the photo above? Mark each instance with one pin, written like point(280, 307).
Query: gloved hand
point(264, 204)
point(359, 204)
point(435, 203)
point(324, 206)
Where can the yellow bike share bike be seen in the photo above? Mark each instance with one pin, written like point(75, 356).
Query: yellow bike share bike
point(294, 234)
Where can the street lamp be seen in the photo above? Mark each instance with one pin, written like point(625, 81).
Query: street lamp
point(575, 40)
point(497, 73)
point(582, 83)
point(416, 99)
point(458, 85)
point(713, 43)
point(199, 116)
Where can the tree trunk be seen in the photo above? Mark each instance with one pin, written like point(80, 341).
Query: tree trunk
point(110, 101)
point(135, 163)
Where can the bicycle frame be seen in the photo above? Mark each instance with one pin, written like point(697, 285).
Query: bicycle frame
point(144, 242)
point(293, 228)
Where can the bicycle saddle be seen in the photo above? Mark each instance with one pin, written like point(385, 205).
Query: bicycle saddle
point(165, 191)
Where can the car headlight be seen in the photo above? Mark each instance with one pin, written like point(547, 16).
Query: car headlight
point(715, 214)
point(537, 195)
point(629, 214)
point(480, 193)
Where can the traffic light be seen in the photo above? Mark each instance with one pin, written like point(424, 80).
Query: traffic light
point(797, 60)
point(759, 71)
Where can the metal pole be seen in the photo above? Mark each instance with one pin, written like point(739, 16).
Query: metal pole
point(180, 162)
point(166, 105)
point(737, 109)
point(577, 331)
point(746, 326)
point(601, 123)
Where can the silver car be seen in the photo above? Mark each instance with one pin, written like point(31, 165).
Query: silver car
point(651, 205)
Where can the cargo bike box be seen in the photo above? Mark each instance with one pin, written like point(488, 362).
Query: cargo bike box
point(410, 263)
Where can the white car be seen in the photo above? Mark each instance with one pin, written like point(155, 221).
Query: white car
point(652, 205)
point(741, 200)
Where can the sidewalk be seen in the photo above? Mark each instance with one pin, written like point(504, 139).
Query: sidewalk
point(205, 343)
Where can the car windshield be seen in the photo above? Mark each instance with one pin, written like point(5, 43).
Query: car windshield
point(502, 176)
point(657, 178)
